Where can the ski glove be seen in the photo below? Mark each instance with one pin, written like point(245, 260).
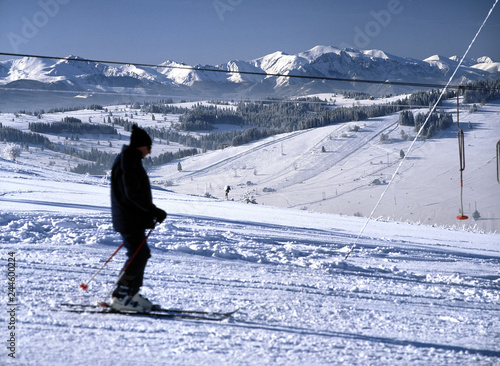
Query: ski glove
point(159, 214)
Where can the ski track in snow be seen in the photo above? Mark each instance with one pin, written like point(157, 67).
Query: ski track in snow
point(394, 302)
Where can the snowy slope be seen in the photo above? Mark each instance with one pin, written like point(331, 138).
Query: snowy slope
point(407, 295)
point(292, 171)
point(334, 169)
point(492, 67)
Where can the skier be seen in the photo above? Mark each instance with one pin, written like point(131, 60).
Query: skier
point(226, 191)
point(133, 212)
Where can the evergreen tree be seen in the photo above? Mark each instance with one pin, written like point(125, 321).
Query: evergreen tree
point(406, 118)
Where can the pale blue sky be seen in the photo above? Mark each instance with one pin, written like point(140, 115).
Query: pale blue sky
point(216, 31)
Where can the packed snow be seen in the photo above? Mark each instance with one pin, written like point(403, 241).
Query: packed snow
point(408, 294)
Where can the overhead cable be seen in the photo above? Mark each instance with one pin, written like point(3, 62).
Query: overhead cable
point(403, 160)
point(254, 73)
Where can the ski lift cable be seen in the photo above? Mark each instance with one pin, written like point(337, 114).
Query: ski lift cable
point(498, 161)
point(246, 99)
point(420, 131)
point(164, 96)
point(461, 153)
point(254, 73)
point(281, 100)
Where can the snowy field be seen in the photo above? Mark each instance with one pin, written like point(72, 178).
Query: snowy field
point(408, 295)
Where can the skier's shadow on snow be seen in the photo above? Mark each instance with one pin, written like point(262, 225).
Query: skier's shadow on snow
point(361, 337)
point(76, 206)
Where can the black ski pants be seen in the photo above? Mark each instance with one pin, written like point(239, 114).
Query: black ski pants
point(131, 281)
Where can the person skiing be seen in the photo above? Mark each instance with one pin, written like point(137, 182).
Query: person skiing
point(226, 191)
point(133, 212)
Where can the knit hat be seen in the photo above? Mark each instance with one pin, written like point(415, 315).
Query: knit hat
point(139, 137)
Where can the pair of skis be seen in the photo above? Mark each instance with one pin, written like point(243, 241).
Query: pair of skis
point(156, 312)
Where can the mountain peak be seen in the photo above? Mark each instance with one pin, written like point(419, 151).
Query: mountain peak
point(317, 51)
point(438, 58)
point(484, 60)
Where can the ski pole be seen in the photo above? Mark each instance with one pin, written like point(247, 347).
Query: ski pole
point(84, 285)
point(122, 273)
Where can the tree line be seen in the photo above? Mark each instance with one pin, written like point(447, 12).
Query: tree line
point(101, 161)
point(263, 118)
point(258, 120)
point(485, 90)
point(39, 113)
point(9, 134)
point(436, 122)
point(71, 125)
point(205, 117)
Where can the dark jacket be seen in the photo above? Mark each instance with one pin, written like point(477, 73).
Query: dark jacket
point(132, 205)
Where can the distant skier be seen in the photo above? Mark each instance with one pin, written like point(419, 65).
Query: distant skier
point(226, 191)
point(133, 212)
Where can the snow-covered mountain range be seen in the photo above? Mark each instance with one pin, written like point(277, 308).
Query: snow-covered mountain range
point(244, 78)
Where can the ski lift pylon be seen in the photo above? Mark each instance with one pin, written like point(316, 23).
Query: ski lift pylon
point(461, 152)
